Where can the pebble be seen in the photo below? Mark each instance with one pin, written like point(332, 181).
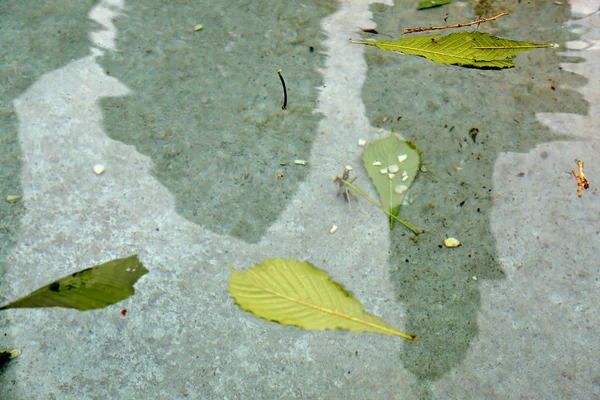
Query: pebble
point(98, 169)
point(451, 242)
point(401, 189)
point(13, 199)
point(393, 168)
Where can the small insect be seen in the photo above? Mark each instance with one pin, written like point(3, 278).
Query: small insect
point(434, 41)
point(446, 17)
point(473, 133)
point(123, 312)
point(279, 175)
point(582, 182)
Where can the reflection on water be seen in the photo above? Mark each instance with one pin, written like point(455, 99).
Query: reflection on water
point(436, 107)
point(206, 108)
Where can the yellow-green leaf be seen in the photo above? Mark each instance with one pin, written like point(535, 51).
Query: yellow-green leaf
point(470, 49)
point(291, 292)
point(379, 158)
point(431, 3)
point(91, 288)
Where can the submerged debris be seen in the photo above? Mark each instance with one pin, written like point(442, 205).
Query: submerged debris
point(343, 190)
point(7, 355)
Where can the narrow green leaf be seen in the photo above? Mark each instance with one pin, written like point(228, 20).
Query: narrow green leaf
point(392, 165)
point(92, 288)
point(432, 3)
point(291, 292)
point(472, 49)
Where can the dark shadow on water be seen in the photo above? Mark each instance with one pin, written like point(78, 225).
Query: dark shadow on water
point(36, 38)
point(206, 105)
point(436, 106)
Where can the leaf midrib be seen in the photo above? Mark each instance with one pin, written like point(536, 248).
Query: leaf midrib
point(332, 312)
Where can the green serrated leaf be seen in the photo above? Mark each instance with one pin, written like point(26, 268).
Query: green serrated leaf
point(92, 288)
point(381, 158)
point(432, 3)
point(291, 292)
point(469, 49)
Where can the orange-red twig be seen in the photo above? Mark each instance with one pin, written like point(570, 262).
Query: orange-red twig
point(433, 28)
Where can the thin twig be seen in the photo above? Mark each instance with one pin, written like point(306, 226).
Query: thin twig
point(284, 106)
point(433, 28)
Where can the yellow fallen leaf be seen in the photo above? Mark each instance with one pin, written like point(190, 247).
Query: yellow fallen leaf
point(292, 292)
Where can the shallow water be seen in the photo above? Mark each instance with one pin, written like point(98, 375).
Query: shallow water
point(200, 174)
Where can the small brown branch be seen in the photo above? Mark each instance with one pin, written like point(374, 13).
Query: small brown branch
point(433, 28)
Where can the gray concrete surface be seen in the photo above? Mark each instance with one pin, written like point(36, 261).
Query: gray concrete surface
point(184, 337)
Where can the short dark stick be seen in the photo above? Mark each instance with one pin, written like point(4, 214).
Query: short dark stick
point(284, 106)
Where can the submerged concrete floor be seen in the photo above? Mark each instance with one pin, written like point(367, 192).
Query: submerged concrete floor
point(184, 337)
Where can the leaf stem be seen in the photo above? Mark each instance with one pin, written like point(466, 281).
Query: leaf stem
point(376, 204)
